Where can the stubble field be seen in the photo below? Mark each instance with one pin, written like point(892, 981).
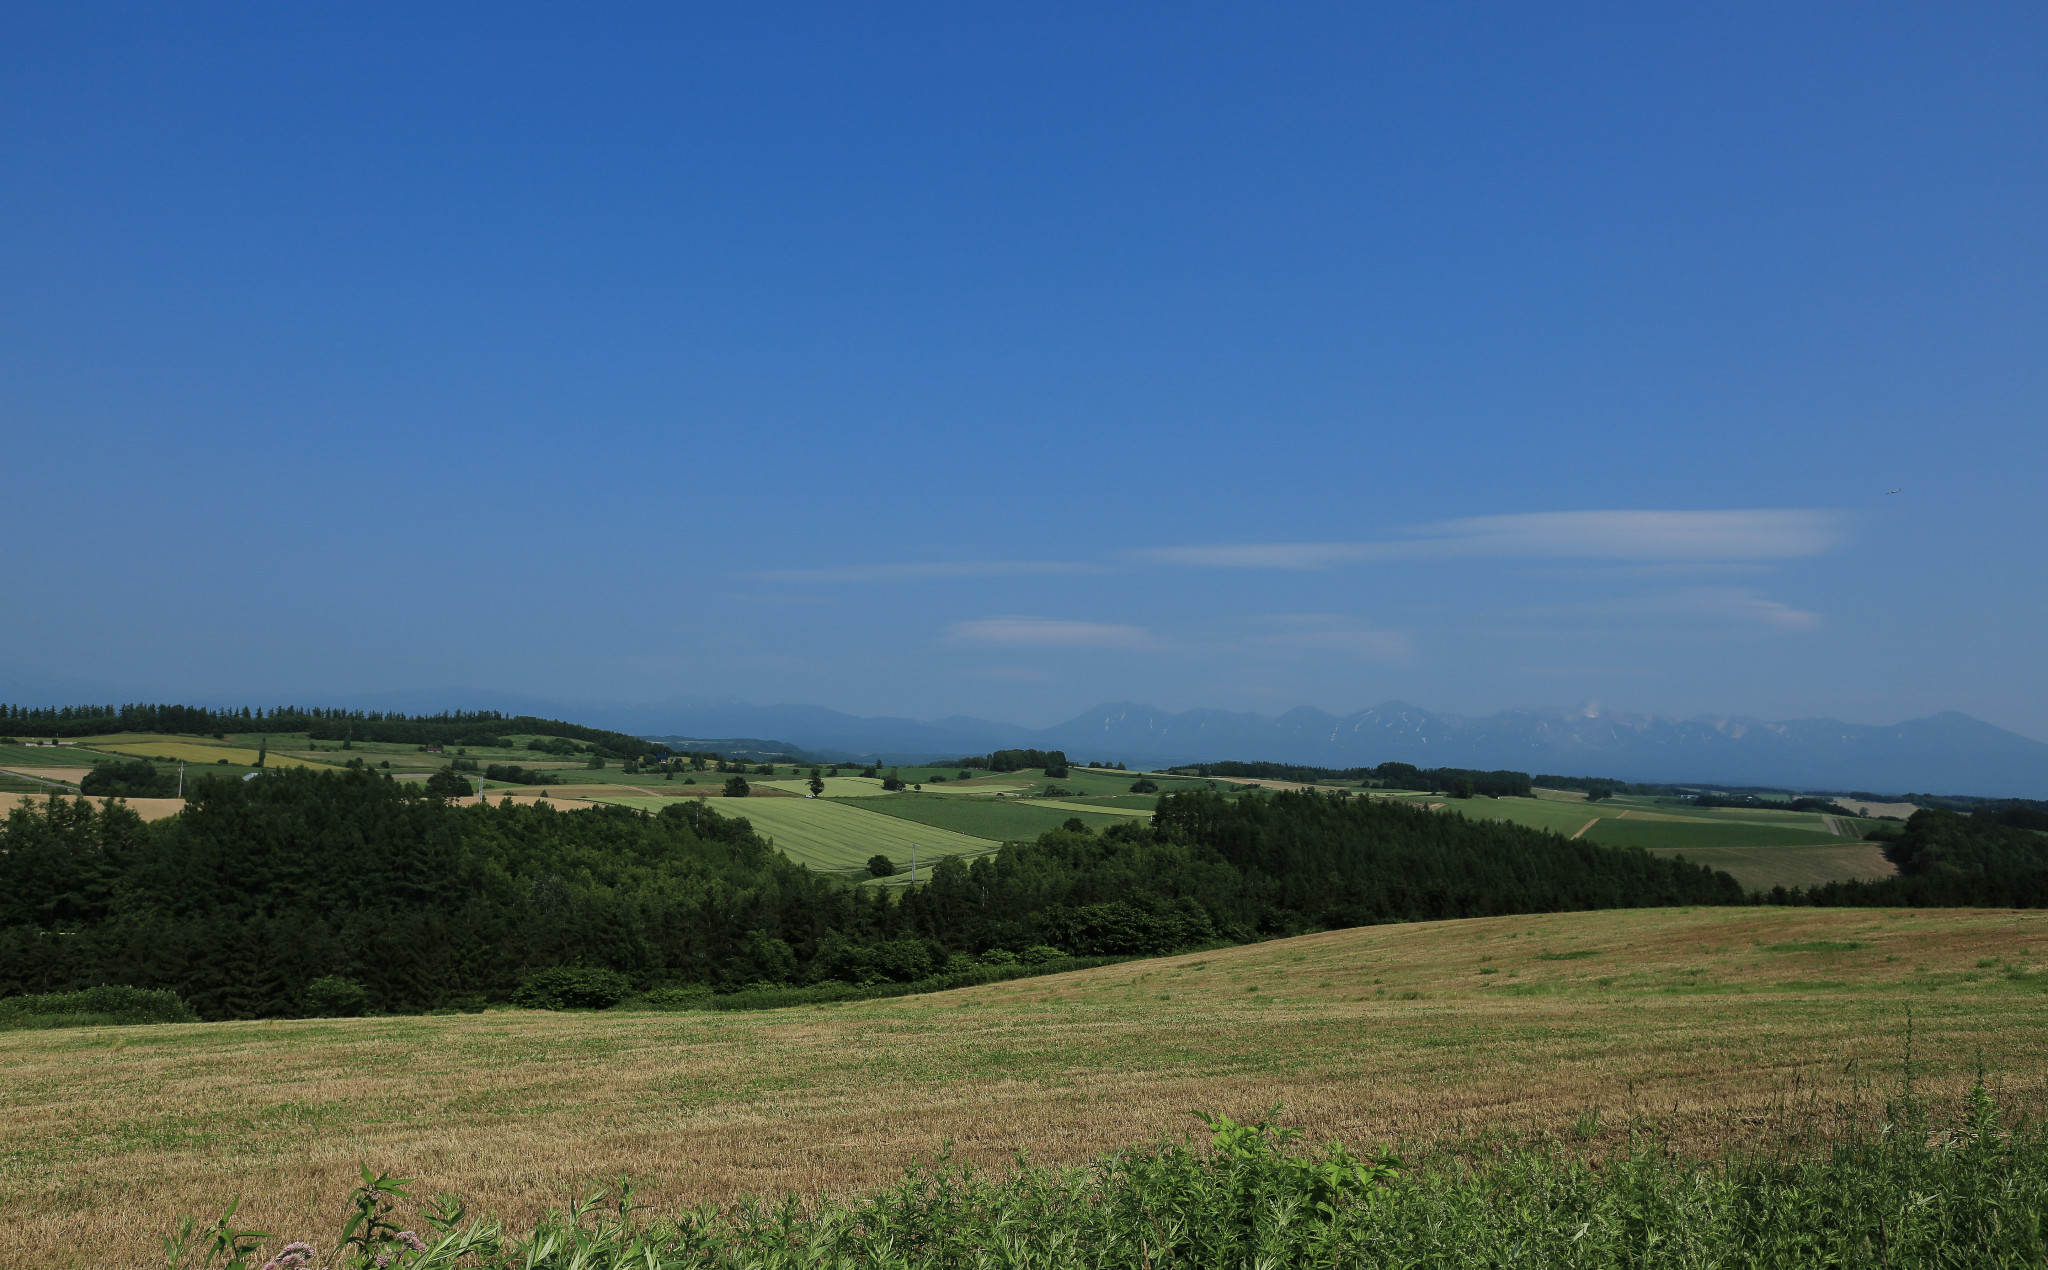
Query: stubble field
point(1716, 1026)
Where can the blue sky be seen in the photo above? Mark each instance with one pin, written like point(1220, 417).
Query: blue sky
point(1005, 359)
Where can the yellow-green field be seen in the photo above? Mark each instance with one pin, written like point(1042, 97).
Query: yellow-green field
point(836, 836)
point(182, 750)
point(1715, 1026)
point(1758, 848)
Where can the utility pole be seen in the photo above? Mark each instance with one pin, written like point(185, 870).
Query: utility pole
point(913, 864)
point(181, 778)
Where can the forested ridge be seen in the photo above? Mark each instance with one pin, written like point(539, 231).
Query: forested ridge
point(261, 887)
point(453, 727)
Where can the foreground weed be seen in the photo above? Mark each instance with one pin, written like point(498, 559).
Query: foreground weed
point(1896, 1194)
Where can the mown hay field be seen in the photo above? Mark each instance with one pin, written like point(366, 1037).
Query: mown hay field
point(201, 752)
point(838, 836)
point(1716, 1027)
point(1681, 834)
point(1761, 868)
point(147, 808)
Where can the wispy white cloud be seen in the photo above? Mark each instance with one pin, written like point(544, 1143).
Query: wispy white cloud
point(1044, 632)
point(1758, 534)
point(1734, 605)
point(918, 571)
point(1698, 610)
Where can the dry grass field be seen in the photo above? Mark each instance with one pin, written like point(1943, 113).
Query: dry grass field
point(1714, 1025)
point(147, 808)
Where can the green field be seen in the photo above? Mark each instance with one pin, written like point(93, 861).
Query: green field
point(835, 786)
point(1097, 808)
point(1002, 820)
point(837, 836)
point(45, 756)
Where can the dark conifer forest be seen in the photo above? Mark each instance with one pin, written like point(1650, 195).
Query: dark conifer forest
point(261, 887)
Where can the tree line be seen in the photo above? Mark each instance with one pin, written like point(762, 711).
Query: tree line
point(481, 728)
point(261, 888)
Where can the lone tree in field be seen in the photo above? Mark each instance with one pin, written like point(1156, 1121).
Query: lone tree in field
point(1461, 787)
point(817, 783)
point(882, 866)
point(736, 787)
point(445, 784)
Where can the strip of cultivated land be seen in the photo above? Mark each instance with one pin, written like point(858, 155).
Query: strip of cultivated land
point(1715, 1025)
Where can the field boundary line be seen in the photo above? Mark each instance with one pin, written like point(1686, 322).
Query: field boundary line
point(65, 785)
point(1588, 825)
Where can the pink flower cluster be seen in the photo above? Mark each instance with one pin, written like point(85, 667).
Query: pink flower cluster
point(409, 1239)
point(293, 1257)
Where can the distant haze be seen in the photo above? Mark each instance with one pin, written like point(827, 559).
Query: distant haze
point(1945, 753)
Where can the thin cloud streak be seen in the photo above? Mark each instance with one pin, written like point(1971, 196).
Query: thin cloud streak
point(918, 571)
point(1760, 534)
point(1698, 608)
point(1042, 632)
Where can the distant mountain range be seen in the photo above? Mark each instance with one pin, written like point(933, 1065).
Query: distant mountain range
point(1946, 753)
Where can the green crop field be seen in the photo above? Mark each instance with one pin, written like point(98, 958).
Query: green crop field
point(1003, 820)
point(837, 836)
point(1105, 807)
point(45, 756)
point(835, 786)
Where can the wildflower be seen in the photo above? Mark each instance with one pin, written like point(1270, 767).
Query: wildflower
point(293, 1256)
point(412, 1241)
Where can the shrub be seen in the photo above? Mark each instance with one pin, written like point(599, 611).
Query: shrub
point(445, 784)
point(677, 996)
point(572, 988)
point(95, 1007)
point(137, 778)
point(336, 997)
point(882, 866)
point(1143, 786)
point(737, 787)
point(1039, 954)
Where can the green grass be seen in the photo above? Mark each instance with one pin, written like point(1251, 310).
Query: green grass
point(835, 786)
point(1003, 820)
point(836, 836)
point(45, 756)
point(1140, 802)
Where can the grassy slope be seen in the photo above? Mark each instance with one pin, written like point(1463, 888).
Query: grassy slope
point(1685, 1019)
point(1005, 820)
